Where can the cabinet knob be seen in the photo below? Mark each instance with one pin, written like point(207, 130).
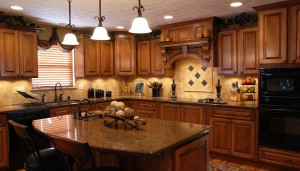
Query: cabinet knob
point(235, 72)
point(284, 61)
point(293, 61)
point(297, 57)
point(242, 72)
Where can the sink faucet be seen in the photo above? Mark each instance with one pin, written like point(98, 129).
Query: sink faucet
point(79, 108)
point(55, 87)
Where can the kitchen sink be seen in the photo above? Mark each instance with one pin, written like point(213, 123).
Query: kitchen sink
point(62, 103)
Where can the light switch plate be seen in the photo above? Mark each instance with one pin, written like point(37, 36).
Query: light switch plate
point(81, 86)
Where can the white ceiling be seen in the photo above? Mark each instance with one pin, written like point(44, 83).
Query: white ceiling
point(119, 12)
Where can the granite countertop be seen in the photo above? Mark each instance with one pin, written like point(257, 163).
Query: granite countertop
point(5, 109)
point(155, 137)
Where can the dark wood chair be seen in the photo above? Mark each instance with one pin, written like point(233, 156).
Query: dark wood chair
point(36, 160)
point(80, 152)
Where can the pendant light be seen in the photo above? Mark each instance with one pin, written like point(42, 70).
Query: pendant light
point(70, 38)
point(100, 33)
point(139, 24)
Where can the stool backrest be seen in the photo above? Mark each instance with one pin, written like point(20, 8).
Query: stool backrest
point(78, 151)
point(27, 141)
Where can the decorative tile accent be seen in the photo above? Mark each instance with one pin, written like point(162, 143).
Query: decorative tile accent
point(197, 75)
point(191, 82)
point(191, 68)
point(204, 83)
point(203, 68)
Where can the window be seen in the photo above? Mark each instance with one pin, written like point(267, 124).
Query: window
point(54, 66)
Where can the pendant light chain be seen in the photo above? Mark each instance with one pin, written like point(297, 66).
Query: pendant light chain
point(69, 12)
point(100, 8)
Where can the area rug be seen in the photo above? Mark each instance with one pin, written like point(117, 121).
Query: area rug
point(220, 167)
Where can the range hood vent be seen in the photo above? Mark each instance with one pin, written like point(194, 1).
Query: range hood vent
point(188, 39)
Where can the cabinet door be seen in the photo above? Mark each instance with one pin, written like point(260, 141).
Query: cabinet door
point(91, 58)
point(101, 106)
point(60, 111)
point(157, 66)
point(220, 136)
point(145, 113)
point(28, 54)
point(143, 57)
point(227, 52)
point(3, 142)
point(192, 114)
point(125, 54)
point(107, 58)
point(294, 34)
point(170, 112)
point(248, 50)
point(243, 139)
point(273, 36)
point(9, 51)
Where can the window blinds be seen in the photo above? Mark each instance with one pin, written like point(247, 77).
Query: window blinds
point(54, 66)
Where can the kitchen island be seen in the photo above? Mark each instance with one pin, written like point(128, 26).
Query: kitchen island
point(159, 145)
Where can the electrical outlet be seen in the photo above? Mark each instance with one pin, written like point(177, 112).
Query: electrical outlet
point(81, 86)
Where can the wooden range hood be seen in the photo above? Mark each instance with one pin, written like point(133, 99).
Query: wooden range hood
point(188, 39)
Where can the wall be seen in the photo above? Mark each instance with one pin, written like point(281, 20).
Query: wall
point(182, 76)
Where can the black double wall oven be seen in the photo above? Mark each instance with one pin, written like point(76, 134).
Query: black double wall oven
point(279, 108)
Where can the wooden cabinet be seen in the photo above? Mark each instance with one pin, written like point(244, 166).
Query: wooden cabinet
point(59, 111)
point(98, 58)
point(227, 53)
point(149, 58)
point(273, 36)
point(294, 34)
point(147, 109)
point(3, 142)
point(143, 57)
point(248, 50)
point(279, 157)
point(234, 131)
point(18, 53)
point(192, 114)
point(169, 111)
point(125, 54)
point(238, 51)
point(101, 106)
point(193, 156)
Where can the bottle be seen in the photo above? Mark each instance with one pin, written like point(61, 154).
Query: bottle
point(234, 94)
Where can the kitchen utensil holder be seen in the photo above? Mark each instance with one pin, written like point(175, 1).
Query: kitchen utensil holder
point(155, 92)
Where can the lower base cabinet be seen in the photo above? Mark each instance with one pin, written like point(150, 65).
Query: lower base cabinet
point(59, 111)
point(231, 136)
point(3, 142)
point(279, 157)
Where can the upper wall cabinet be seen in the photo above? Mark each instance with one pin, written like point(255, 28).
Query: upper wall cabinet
point(94, 58)
point(149, 58)
point(125, 54)
point(279, 26)
point(238, 51)
point(273, 36)
point(193, 39)
point(18, 53)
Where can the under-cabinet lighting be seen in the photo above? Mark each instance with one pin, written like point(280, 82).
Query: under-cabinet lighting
point(168, 17)
point(120, 27)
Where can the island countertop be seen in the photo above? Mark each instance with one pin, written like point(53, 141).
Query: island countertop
point(153, 138)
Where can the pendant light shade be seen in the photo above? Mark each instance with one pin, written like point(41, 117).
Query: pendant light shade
point(70, 38)
point(100, 33)
point(140, 24)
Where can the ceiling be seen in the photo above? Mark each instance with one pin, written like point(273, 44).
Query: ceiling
point(119, 12)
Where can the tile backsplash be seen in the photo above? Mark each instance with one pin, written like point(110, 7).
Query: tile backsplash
point(187, 70)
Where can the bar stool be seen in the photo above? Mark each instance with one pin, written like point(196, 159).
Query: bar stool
point(36, 160)
point(80, 152)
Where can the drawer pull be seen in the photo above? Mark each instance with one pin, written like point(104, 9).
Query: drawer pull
point(231, 114)
point(1, 125)
point(287, 160)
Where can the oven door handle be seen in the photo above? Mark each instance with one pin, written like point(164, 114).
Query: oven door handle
point(278, 110)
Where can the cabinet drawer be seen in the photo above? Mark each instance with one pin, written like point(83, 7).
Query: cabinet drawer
point(279, 157)
point(146, 105)
point(235, 113)
point(3, 120)
point(146, 113)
